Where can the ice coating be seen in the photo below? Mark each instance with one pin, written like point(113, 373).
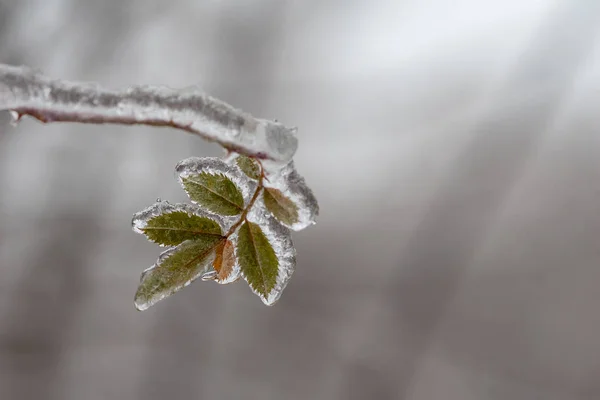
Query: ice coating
point(28, 92)
point(294, 187)
point(15, 118)
point(281, 239)
point(230, 157)
point(140, 219)
point(236, 271)
point(143, 302)
point(210, 275)
point(214, 165)
point(24, 91)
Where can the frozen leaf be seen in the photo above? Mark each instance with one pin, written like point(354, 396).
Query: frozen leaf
point(175, 269)
point(282, 208)
point(174, 228)
point(280, 239)
point(171, 224)
point(293, 187)
point(224, 261)
point(214, 192)
point(260, 246)
point(213, 184)
point(257, 259)
point(249, 166)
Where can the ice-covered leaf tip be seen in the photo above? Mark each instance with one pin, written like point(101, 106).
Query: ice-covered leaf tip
point(235, 227)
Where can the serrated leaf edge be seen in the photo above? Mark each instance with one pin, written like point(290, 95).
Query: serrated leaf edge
point(141, 218)
point(161, 259)
point(196, 165)
point(294, 187)
point(268, 191)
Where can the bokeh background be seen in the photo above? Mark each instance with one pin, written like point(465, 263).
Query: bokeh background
point(454, 146)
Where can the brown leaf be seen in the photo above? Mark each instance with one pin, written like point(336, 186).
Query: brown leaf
point(224, 260)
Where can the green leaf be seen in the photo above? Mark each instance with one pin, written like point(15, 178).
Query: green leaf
point(175, 269)
point(217, 193)
point(249, 166)
point(282, 208)
point(176, 227)
point(257, 258)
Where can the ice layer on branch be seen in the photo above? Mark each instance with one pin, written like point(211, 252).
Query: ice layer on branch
point(25, 91)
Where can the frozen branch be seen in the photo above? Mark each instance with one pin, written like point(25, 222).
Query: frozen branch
point(24, 91)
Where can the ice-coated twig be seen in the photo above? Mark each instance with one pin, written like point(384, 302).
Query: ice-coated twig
point(24, 91)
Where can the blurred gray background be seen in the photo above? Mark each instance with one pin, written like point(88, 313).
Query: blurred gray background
point(454, 146)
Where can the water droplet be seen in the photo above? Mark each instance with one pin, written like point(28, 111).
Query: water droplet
point(15, 117)
point(209, 276)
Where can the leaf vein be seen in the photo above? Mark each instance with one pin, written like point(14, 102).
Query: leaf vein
point(260, 267)
point(199, 256)
point(156, 228)
point(215, 193)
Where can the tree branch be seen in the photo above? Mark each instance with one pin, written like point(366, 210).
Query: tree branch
point(27, 92)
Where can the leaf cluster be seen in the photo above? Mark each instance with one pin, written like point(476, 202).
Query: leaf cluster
point(236, 227)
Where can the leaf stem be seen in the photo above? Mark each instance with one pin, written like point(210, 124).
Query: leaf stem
point(259, 187)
